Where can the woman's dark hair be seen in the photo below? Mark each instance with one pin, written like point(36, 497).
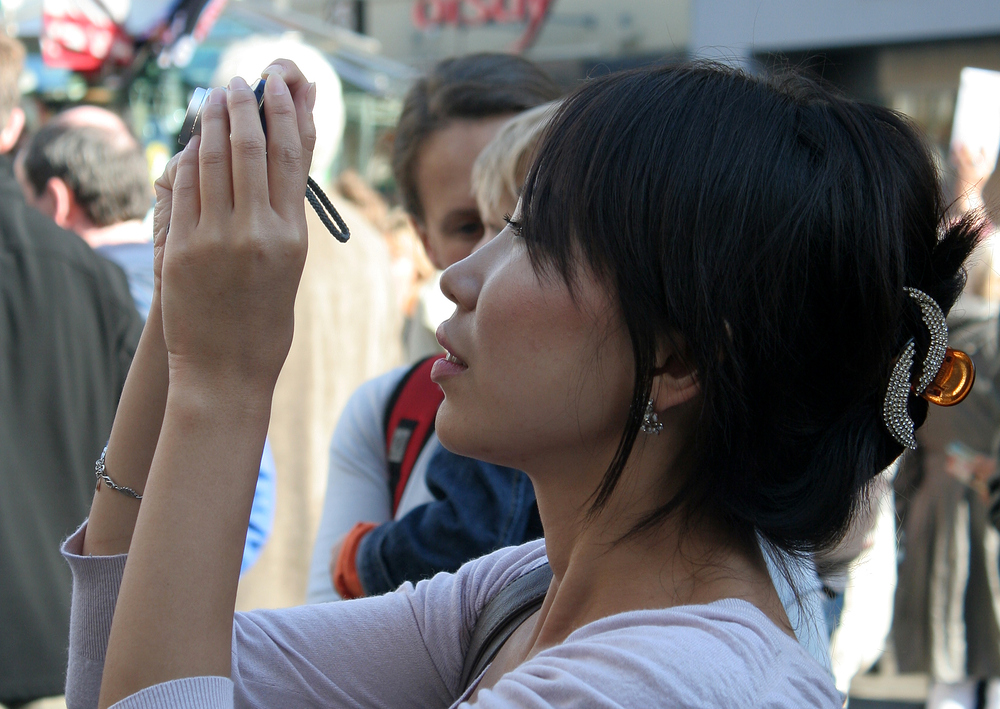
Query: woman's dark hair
point(473, 86)
point(769, 227)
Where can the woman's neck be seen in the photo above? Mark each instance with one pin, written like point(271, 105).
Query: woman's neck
point(601, 570)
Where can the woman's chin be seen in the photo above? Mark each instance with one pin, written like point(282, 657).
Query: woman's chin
point(455, 438)
point(462, 435)
point(444, 426)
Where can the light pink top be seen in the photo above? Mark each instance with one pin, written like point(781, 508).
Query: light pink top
point(406, 649)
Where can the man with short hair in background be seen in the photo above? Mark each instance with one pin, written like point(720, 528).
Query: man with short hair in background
point(87, 172)
point(67, 337)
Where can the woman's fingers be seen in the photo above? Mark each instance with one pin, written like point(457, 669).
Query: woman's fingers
point(164, 188)
point(288, 71)
point(185, 193)
point(305, 100)
point(286, 173)
point(214, 157)
point(249, 150)
point(232, 237)
point(304, 97)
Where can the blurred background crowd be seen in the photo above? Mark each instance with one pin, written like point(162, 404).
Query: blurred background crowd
point(96, 94)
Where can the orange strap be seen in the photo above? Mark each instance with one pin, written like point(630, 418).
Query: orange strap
point(345, 572)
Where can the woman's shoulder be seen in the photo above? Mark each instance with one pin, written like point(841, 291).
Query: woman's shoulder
point(720, 654)
point(479, 580)
point(453, 602)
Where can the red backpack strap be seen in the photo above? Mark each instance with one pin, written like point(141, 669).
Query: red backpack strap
point(409, 423)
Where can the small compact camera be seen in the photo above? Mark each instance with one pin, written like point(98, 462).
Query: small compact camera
point(314, 194)
point(192, 118)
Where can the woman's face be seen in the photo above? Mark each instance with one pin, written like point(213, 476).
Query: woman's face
point(539, 374)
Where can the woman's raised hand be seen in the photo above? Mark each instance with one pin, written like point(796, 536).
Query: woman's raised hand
point(234, 203)
point(230, 244)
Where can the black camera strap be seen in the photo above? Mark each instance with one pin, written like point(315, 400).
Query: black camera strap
point(326, 212)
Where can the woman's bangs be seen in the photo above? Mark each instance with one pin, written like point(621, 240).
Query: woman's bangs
point(554, 213)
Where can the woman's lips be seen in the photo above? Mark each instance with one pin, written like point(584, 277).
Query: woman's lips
point(451, 365)
point(446, 368)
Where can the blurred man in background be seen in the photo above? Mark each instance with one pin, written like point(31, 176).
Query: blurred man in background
point(88, 173)
point(67, 338)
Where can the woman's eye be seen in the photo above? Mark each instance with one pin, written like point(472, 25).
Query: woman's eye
point(515, 226)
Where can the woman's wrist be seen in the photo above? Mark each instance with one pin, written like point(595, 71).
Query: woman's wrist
point(197, 393)
point(132, 444)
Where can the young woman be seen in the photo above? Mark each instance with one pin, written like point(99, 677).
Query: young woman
point(685, 362)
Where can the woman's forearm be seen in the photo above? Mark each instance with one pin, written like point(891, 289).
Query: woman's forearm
point(181, 577)
point(230, 268)
point(132, 444)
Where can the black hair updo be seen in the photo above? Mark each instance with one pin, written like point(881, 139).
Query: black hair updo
point(772, 226)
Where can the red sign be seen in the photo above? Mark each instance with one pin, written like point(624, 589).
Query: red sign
point(474, 13)
point(81, 35)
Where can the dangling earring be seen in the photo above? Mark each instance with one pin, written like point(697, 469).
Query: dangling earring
point(650, 421)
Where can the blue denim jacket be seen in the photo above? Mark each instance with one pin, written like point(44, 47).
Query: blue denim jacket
point(477, 508)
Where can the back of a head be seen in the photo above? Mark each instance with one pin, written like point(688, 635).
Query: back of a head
point(501, 167)
point(770, 226)
point(95, 117)
point(105, 169)
point(11, 64)
point(249, 57)
point(468, 87)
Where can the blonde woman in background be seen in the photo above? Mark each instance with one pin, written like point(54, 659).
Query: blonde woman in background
point(500, 169)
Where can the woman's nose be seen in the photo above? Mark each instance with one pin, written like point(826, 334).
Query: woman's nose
point(462, 281)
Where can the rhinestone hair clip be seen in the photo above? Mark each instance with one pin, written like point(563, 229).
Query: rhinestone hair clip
point(936, 324)
point(946, 375)
point(897, 418)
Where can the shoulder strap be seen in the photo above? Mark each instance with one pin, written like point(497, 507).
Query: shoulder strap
point(409, 423)
point(502, 615)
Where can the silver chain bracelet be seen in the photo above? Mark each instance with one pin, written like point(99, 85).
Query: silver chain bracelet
point(102, 476)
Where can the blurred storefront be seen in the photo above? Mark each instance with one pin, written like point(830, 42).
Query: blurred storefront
point(906, 54)
point(377, 47)
point(569, 37)
point(153, 94)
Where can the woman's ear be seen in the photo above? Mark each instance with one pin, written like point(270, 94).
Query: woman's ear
point(675, 382)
